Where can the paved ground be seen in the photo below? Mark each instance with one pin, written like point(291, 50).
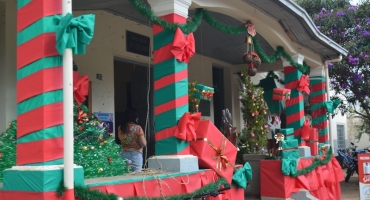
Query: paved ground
point(350, 190)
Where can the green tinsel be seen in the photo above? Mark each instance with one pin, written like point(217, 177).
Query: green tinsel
point(305, 69)
point(85, 193)
point(316, 163)
point(222, 27)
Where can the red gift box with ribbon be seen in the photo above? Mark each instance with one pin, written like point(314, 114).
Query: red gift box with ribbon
point(313, 141)
point(281, 94)
point(214, 150)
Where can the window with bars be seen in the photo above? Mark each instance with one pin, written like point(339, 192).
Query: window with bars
point(341, 138)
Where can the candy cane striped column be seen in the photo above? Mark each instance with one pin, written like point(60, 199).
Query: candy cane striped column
point(318, 110)
point(39, 104)
point(295, 105)
point(170, 81)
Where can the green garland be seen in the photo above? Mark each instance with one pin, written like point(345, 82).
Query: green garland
point(85, 193)
point(305, 69)
point(204, 14)
point(316, 163)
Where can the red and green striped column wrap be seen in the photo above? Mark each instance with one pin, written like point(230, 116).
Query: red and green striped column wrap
point(170, 91)
point(318, 110)
point(295, 105)
point(39, 84)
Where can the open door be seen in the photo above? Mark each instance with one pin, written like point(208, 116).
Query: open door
point(143, 102)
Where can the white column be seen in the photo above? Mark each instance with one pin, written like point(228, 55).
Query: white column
point(68, 108)
point(165, 7)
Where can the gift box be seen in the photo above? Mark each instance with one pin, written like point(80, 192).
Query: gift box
point(290, 149)
point(281, 94)
point(288, 133)
point(313, 142)
point(203, 92)
point(213, 150)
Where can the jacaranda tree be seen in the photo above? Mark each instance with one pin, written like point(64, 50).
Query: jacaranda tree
point(349, 26)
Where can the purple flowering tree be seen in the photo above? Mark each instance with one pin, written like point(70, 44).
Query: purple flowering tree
point(349, 26)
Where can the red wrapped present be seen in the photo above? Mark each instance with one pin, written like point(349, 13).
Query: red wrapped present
point(281, 94)
point(214, 151)
point(313, 141)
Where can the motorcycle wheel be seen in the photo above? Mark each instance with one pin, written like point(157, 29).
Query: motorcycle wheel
point(349, 173)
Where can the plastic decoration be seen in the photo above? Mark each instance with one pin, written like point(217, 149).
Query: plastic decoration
point(203, 92)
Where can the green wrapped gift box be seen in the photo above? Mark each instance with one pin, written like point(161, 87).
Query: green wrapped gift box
point(320, 146)
point(203, 92)
point(290, 149)
point(288, 133)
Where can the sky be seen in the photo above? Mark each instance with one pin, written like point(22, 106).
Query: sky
point(354, 2)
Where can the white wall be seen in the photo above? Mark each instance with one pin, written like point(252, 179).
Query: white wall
point(7, 62)
point(109, 41)
point(364, 141)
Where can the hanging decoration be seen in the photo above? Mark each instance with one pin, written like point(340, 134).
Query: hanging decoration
point(250, 57)
point(200, 14)
point(281, 94)
point(279, 138)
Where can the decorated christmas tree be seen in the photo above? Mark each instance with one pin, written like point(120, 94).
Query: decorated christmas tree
point(253, 136)
point(7, 147)
point(94, 148)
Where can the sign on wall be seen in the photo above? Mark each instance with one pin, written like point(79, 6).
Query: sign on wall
point(364, 175)
point(136, 43)
point(107, 119)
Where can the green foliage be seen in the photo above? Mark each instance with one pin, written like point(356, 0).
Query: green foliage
point(253, 136)
point(193, 102)
point(8, 143)
point(348, 26)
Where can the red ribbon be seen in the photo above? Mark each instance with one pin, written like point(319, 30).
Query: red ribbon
point(303, 84)
point(183, 47)
point(81, 88)
point(188, 123)
point(305, 131)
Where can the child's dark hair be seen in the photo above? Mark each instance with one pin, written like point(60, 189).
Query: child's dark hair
point(130, 116)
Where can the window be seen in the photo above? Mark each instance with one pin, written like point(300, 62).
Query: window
point(341, 138)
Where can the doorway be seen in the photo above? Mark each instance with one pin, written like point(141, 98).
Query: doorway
point(131, 90)
point(218, 96)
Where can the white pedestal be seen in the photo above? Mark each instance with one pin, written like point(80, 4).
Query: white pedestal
point(174, 163)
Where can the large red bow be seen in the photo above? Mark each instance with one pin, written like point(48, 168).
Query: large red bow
point(183, 47)
point(303, 84)
point(188, 123)
point(80, 88)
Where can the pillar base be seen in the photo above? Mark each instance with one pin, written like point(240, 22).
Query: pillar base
point(36, 182)
point(174, 163)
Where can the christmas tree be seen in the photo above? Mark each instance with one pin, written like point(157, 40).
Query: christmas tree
point(193, 101)
point(7, 148)
point(94, 148)
point(253, 136)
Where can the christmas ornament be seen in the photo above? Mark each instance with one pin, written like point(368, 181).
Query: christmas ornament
point(110, 134)
point(252, 135)
point(92, 148)
point(80, 128)
point(82, 117)
point(129, 162)
point(256, 122)
point(1, 154)
point(101, 125)
point(279, 137)
point(247, 57)
point(99, 147)
point(265, 126)
point(84, 148)
point(105, 142)
point(110, 160)
point(252, 71)
point(253, 114)
point(100, 170)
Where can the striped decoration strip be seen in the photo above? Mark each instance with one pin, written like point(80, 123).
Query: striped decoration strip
point(39, 84)
point(318, 110)
point(295, 105)
point(170, 91)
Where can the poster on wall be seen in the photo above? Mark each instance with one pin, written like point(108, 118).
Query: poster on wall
point(107, 119)
point(364, 175)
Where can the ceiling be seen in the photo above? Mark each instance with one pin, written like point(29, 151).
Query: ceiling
point(225, 47)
